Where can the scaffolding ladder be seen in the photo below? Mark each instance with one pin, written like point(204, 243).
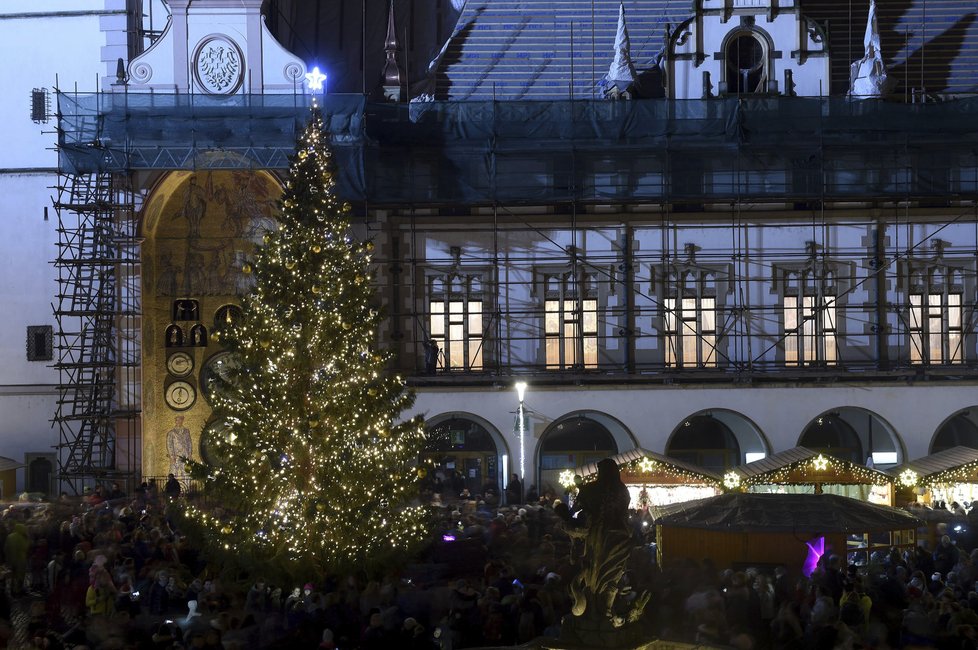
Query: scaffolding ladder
point(98, 339)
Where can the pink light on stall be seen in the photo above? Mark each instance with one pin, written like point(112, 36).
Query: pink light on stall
point(816, 549)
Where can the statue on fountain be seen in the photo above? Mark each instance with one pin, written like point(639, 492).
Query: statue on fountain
point(597, 620)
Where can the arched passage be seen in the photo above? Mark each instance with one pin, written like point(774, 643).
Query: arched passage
point(576, 439)
point(199, 229)
point(854, 434)
point(464, 452)
point(717, 439)
point(961, 429)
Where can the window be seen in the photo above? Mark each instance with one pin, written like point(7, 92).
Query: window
point(40, 106)
point(935, 311)
point(935, 328)
point(810, 330)
point(689, 319)
point(745, 65)
point(571, 321)
point(456, 309)
point(40, 345)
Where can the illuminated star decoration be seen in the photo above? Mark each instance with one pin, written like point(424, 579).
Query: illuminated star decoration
point(908, 478)
point(646, 464)
point(821, 463)
point(566, 478)
point(731, 480)
point(315, 79)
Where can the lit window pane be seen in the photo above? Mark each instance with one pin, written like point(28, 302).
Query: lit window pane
point(709, 350)
point(954, 347)
point(591, 351)
point(475, 319)
point(954, 311)
point(475, 355)
point(437, 319)
point(590, 317)
point(916, 347)
point(552, 321)
point(553, 352)
point(456, 309)
point(689, 349)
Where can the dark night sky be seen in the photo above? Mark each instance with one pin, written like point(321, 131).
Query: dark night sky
point(332, 35)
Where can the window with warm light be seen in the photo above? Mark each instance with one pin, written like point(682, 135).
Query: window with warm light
point(810, 330)
point(935, 314)
point(456, 311)
point(571, 321)
point(689, 320)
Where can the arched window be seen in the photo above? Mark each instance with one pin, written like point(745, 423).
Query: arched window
point(570, 443)
point(746, 69)
point(959, 430)
point(705, 441)
point(833, 436)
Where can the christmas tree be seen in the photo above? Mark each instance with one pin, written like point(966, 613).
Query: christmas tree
point(316, 467)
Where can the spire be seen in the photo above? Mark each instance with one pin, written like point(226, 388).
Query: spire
point(392, 71)
point(867, 76)
point(621, 74)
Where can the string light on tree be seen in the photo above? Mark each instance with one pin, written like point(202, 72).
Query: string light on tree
point(317, 465)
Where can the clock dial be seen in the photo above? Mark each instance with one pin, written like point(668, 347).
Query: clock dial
point(213, 431)
point(180, 395)
point(180, 364)
point(217, 371)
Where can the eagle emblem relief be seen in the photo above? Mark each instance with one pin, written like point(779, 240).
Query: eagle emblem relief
point(217, 66)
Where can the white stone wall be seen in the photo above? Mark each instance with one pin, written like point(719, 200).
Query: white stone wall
point(46, 40)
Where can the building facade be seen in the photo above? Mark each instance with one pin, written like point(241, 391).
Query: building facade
point(680, 227)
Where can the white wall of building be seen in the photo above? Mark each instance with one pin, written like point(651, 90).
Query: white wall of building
point(43, 41)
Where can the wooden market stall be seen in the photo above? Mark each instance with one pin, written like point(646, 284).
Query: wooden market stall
point(803, 471)
point(738, 530)
point(656, 480)
point(949, 475)
point(944, 477)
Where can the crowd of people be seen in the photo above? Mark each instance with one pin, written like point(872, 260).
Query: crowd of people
point(110, 570)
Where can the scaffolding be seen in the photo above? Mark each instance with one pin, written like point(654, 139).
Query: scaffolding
point(97, 340)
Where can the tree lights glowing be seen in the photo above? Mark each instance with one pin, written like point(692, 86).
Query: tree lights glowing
point(316, 466)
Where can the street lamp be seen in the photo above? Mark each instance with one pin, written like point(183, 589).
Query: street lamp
point(521, 415)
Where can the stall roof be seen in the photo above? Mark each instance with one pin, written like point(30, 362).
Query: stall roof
point(943, 461)
point(638, 453)
point(8, 464)
point(755, 472)
point(805, 513)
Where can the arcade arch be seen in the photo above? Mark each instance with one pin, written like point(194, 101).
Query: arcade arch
point(576, 439)
point(717, 439)
point(464, 452)
point(961, 429)
point(854, 434)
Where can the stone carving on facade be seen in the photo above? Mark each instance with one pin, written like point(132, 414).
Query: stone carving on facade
point(217, 66)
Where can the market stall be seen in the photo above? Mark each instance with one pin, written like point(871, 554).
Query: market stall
point(766, 530)
point(656, 480)
point(802, 471)
point(948, 476)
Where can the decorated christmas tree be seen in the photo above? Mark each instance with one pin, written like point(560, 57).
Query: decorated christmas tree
point(315, 466)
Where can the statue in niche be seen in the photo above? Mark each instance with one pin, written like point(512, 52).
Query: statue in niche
point(174, 336)
point(198, 336)
point(597, 617)
point(186, 309)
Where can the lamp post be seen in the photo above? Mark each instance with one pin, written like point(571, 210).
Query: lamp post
point(521, 423)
